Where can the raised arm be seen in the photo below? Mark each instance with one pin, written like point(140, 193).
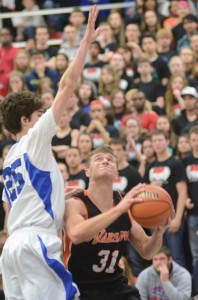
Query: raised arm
point(69, 79)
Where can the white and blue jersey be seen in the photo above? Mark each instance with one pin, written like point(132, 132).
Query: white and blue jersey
point(33, 184)
point(34, 189)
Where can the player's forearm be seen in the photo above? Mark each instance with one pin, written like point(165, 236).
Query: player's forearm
point(152, 245)
point(86, 230)
point(71, 75)
point(69, 81)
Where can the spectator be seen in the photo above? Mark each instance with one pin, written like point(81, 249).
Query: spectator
point(147, 157)
point(77, 19)
point(132, 135)
point(117, 25)
point(191, 71)
point(93, 67)
point(165, 279)
point(77, 175)
point(194, 46)
point(183, 146)
point(87, 92)
point(39, 71)
point(151, 87)
point(16, 82)
point(7, 51)
point(47, 96)
point(176, 66)
point(42, 37)
point(168, 172)
point(163, 123)
point(127, 178)
point(118, 107)
point(106, 38)
point(85, 145)
point(150, 22)
point(189, 114)
point(132, 33)
point(22, 61)
point(171, 21)
point(26, 26)
point(160, 68)
point(128, 56)
point(183, 9)
point(61, 63)
point(43, 84)
point(70, 43)
point(7, 22)
point(109, 81)
point(147, 118)
point(64, 136)
point(190, 23)
point(99, 128)
point(164, 39)
point(118, 63)
point(174, 102)
point(79, 118)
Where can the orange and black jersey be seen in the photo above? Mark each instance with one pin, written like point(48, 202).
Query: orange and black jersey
point(95, 262)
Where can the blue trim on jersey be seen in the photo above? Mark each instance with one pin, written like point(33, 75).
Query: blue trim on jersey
point(8, 198)
point(42, 183)
point(60, 270)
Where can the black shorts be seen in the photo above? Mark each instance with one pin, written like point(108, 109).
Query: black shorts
point(121, 291)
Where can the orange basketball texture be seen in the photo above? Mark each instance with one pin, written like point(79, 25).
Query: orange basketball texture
point(155, 209)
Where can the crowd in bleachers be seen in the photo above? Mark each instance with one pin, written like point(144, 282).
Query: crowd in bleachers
point(141, 75)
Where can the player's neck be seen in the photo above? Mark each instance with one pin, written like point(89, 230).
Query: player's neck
point(101, 195)
point(20, 134)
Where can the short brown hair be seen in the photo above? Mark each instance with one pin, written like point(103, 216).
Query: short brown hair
point(193, 129)
point(118, 141)
point(164, 250)
point(101, 149)
point(17, 105)
point(160, 132)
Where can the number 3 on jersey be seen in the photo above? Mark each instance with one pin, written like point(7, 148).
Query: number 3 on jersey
point(13, 180)
point(105, 254)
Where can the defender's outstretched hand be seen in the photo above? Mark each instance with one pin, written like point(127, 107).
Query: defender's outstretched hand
point(91, 33)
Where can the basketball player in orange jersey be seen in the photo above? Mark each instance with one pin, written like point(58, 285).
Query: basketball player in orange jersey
point(98, 224)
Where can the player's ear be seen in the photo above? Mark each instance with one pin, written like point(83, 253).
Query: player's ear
point(24, 121)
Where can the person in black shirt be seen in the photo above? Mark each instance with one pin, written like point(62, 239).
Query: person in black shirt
point(191, 164)
point(77, 175)
point(127, 178)
point(188, 115)
point(97, 227)
point(168, 172)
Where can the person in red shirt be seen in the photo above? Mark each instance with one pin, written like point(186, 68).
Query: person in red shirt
point(147, 118)
point(7, 54)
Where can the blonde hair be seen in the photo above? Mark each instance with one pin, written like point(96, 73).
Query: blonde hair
point(116, 81)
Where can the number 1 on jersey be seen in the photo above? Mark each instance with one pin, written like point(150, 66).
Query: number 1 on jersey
point(103, 262)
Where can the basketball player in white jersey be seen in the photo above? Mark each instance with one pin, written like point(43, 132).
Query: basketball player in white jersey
point(31, 264)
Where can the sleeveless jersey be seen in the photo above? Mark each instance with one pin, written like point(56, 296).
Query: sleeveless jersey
point(33, 183)
point(95, 263)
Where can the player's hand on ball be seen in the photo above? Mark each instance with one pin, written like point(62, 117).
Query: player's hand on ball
point(131, 197)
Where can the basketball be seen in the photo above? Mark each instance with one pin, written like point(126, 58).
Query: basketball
point(155, 209)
